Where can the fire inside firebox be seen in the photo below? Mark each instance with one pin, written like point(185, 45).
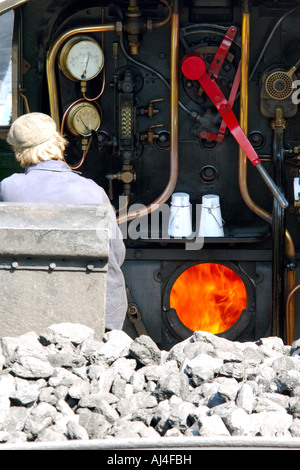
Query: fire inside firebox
point(208, 297)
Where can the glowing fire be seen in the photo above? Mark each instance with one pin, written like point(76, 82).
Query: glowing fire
point(208, 297)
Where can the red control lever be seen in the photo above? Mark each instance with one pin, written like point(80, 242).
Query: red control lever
point(213, 72)
point(194, 68)
point(222, 52)
point(220, 136)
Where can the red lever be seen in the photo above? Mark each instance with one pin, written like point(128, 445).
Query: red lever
point(213, 72)
point(222, 52)
point(220, 136)
point(194, 68)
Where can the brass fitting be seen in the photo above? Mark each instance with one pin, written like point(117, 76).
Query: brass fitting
point(278, 120)
point(84, 143)
point(127, 175)
point(150, 135)
point(134, 26)
point(150, 110)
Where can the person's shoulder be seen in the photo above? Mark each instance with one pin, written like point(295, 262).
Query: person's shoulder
point(92, 183)
point(8, 185)
point(12, 178)
point(94, 188)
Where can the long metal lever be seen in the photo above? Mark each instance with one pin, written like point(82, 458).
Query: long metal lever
point(194, 68)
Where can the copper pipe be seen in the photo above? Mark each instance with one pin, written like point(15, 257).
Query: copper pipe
point(101, 91)
point(291, 299)
point(167, 19)
point(290, 249)
point(51, 60)
point(173, 127)
point(78, 165)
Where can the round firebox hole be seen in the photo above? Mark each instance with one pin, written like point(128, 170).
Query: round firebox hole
point(208, 297)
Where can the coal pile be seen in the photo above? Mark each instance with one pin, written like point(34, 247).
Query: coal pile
point(63, 384)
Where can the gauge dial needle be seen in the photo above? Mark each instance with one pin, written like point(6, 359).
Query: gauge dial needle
point(86, 65)
point(87, 130)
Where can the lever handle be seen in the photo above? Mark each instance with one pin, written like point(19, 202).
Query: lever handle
point(272, 186)
point(194, 68)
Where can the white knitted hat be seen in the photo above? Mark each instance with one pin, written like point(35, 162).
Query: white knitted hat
point(30, 130)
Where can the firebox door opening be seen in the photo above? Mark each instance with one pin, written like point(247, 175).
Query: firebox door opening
point(210, 297)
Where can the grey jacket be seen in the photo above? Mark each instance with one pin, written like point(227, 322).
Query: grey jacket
point(54, 182)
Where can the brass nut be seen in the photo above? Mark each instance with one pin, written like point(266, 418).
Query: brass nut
point(127, 177)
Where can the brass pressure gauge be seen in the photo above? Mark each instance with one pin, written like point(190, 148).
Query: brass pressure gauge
point(83, 118)
point(81, 58)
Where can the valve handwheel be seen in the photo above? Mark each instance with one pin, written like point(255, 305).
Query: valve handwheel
point(194, 68)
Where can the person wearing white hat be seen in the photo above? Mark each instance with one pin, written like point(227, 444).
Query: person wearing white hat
point(47, 178)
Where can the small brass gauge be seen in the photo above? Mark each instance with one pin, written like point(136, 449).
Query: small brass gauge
point(83, 118)
point(81, 58)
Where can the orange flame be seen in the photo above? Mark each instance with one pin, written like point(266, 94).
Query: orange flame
point(208, 297)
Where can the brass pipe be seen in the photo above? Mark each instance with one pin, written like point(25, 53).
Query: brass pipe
point(244, 93)
point(51, 60)
point(164, 196)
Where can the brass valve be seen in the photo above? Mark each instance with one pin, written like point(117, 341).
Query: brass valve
point(134, 26)
point(150, 136)
point(150, 110)
point(127, 175)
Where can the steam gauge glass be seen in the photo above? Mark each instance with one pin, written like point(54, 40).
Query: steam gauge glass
point(83, 118)
point(81, 58)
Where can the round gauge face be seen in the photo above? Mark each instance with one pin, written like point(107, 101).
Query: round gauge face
point(85, 60)
point(83, 119)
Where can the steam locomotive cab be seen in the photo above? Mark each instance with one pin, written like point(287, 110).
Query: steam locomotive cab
point(122, 80)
